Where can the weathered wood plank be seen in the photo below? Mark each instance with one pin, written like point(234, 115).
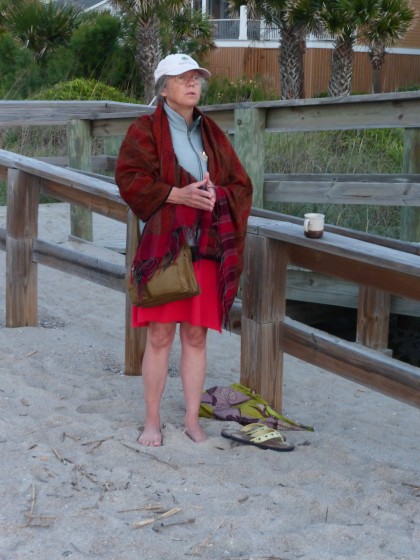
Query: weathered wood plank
point(410, 217)
point(386, 190)
point(352, 361)
point(249, 146)
point(353, 112)
point(135, 338)
point(79, 144)
point(94, 201)
point(373, 318)
point(41, 113)
point(403, 246)
point(366, 111)
point(71, 186)
point(22, 230)
point(331, 245)
point(403, 281)
point(262, 360)
point(81, 265)
point(263, 310)
point(311, 287)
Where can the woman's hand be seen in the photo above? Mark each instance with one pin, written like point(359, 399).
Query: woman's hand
point(201, 195)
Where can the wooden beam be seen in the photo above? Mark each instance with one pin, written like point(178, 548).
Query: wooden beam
point(135, 338)
point(396, 281)
point(249, 146)
point(345, 113)
point(410, 217)
point(373, 318)
point(377, 190)
point(110, 206)
point(79, 143)
point(396, 244)
point(263, 311)
point(22, 230)
point(352, 361)
point(81, 265)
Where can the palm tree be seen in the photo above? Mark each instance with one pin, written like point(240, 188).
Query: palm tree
point(40, 27)
point(295, 20)
point(148, 16)
point(189, 32)
point(393, 20)
point(343, 20)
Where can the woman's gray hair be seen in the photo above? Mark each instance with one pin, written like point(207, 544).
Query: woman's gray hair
point(159, 87)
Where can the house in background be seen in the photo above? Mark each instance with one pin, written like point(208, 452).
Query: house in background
point(248, 48)
point(88, 5)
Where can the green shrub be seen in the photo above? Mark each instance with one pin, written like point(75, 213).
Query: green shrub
point(221, 90)
point(84, 90)
point(409, 87)
point(19, 75)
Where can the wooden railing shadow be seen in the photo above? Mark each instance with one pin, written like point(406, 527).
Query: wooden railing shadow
point(266, 332)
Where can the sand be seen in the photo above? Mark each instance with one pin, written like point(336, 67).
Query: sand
point(74, 483)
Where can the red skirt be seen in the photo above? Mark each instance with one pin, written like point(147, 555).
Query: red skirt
point(203, 310)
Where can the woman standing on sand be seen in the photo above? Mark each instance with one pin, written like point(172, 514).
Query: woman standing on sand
point(179, 173)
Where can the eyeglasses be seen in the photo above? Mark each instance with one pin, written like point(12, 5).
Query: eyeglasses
point(187, 78)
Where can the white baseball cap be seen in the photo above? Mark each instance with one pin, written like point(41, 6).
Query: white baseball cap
point(175, 64)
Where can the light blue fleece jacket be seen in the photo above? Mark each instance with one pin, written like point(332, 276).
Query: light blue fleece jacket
point(187, 143)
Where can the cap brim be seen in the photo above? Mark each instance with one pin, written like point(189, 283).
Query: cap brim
point(205, 73)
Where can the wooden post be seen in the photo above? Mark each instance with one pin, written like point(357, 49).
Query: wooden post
point(410, 217)
point(263, 313)
point(249, 145)
point(21, 231)
point(112, 145)
point(79, 141)
point(135, 338)
point(373, 318)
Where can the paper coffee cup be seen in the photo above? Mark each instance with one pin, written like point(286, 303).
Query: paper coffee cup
point(313, 225)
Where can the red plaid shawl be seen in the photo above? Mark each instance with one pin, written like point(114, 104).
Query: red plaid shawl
point(147, 169)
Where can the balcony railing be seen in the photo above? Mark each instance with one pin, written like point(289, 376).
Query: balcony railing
point(226, 28)
point(254, 30)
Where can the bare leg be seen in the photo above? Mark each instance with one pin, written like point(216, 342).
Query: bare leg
point(155, 369)
point(193, 373)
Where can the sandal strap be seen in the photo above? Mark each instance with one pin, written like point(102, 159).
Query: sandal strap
point(260, 433)
point(268, 436)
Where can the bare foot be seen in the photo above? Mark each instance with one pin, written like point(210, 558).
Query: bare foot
point(196, 433)
point(151, 436)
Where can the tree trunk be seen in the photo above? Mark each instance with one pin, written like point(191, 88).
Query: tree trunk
point(341, 69)
point(148, 54)
point(377, 59)
point(292, 49)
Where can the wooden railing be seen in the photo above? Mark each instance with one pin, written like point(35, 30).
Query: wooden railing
point(266, 331)
point(247, 122)
point(271, 246)
point(26, 180)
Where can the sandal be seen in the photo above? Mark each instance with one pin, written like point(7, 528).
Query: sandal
point(259, 435)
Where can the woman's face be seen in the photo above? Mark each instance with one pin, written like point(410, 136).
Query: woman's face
point(182, 93)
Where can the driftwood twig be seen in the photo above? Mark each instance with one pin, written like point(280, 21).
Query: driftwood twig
point(97, 443)
point(139, 450)
point(205, 543)
point(145, 522)
point(158, 526)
